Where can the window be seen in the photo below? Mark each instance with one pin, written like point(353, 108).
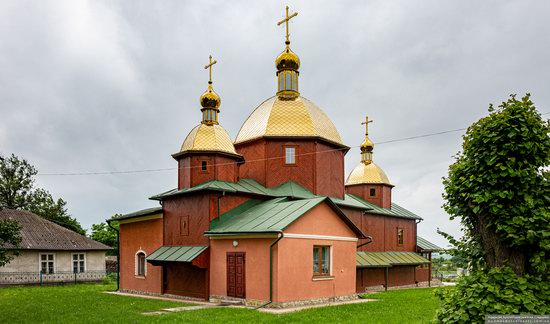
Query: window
point(140, 266)
point(79, 262)
point(204, 166)
point(400, 235)
point(47, 263)
point(372, 192)
point(321, 260)
point(288, 85)
point(290, 155)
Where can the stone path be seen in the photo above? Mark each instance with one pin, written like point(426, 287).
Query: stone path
point(297, 309)
point(180, 309)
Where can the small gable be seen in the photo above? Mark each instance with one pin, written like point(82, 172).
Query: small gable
point(321, 220)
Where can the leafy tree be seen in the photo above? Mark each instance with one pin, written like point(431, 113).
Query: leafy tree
point(17, 191)
point(103, 233)
point(499, 188)
point(16, 182)
point(10, 237)
point(42, 203)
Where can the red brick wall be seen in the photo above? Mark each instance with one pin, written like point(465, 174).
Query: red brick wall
point(146, 236)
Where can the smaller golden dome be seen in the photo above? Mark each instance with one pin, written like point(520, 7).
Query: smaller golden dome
point(287, 60)
point(367, 174)
point(212, 138)
point(367, 146)
point(210, 99)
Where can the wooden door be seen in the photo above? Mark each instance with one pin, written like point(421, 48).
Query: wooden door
point(236, 286)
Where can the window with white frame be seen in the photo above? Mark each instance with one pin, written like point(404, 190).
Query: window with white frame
point(290, 155)
point(140, 264)
point(47, 263)
point(79, 262)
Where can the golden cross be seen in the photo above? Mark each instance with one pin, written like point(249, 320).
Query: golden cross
point(209, 66)
point(286, 20)
point(366, 123)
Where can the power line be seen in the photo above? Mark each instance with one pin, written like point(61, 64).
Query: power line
point(249, 161)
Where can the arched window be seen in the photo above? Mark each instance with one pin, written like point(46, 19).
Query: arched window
point(141, 269)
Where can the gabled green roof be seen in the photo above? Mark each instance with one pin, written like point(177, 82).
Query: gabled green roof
point(175, 254)
point(395, 210)
point(289, 189)
point(425, 245)
point(388, 259)
point(272, 216)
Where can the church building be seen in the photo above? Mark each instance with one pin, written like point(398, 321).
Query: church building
point(269, 218)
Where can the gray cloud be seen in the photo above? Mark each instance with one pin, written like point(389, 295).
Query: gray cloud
point(103, 85)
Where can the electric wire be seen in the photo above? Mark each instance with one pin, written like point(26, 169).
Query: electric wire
point(252, 160)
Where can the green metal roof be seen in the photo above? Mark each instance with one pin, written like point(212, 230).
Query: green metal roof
point(140, 213)
point(271, 216)
point(176, 253)
point(425, 245)
point(289, 189)
point(388, 259)
point(395, 210)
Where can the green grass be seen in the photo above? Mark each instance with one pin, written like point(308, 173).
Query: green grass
point(89, 304)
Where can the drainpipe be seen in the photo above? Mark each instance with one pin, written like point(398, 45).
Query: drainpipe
point(281, 235)
point(117, 254)
point(369, 238)
point(219, 198)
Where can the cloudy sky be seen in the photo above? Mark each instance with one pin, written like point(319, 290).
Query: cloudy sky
point(90, 86)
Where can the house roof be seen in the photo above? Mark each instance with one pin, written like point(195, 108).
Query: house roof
point(289, 189)
point(271, 216)
point(388, 259)
point(425, 245)
point(38, 233)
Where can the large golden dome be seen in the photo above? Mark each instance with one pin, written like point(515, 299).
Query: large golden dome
point(298, 117)
point(205, 137)
point(367, 174)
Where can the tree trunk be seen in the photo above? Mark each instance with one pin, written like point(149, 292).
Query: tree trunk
point(498, 254)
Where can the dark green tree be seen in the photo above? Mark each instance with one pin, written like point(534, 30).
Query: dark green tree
point(16, 182)
point(17, 191)
point(10, 238)
point(499, 188)
point(103, 233)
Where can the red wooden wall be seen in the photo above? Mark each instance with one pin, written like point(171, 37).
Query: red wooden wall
point(219, 167)
point(383, 230)
point(317, 169)
point(382, 195)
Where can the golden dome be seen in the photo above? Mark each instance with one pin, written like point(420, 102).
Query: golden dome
point(367, 174)
point(287, 60)
point(367, 146)
point(210, 99)
point(298, 117)
point(206, 137)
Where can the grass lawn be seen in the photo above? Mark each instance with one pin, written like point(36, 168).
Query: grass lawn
point(88, 303)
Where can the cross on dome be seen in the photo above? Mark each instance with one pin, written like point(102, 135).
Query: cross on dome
point(285, 21)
